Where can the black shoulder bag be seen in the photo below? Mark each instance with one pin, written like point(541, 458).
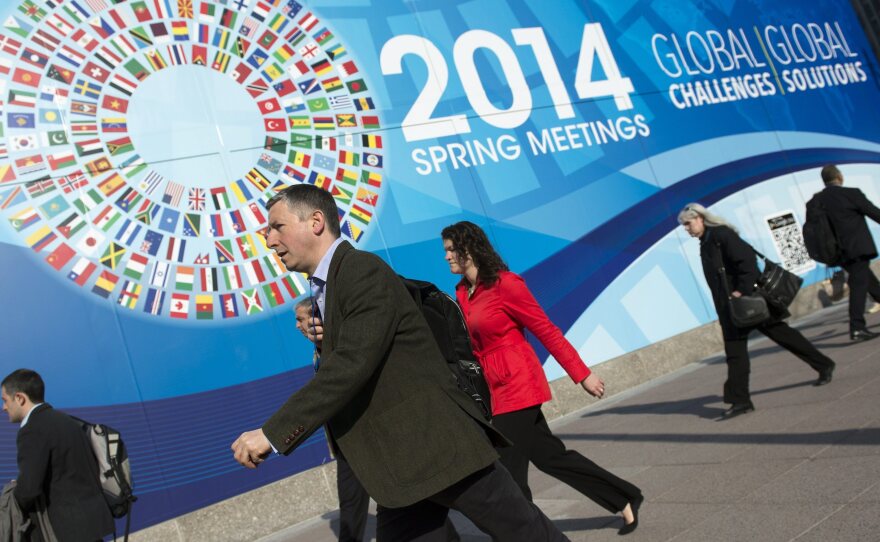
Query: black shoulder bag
point(777, 284)
point(747, 310)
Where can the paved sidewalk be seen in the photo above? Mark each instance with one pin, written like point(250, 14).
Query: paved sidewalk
point(804, 466)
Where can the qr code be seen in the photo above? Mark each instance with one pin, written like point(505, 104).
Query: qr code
point(789, 242)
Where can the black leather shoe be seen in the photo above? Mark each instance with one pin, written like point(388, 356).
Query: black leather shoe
point(738, 409)
point(862, 335)
point(825, 376)
point(634, 505)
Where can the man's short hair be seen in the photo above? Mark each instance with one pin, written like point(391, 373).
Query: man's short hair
point(27, 382)
point(305, 302)
point(830, 173)
point(302, 199)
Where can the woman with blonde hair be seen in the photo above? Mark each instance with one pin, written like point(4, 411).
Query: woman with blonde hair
point(722, 247)
point(497, 308)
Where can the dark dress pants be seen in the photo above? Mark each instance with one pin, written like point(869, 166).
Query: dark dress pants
point(354, 503)
point(736, 389)
point(533, 442)
point(862, 282)
point(489, 498)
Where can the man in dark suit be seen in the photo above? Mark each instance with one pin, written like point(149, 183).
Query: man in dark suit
point(847, 209)
point(55, 461)
point(417, 443)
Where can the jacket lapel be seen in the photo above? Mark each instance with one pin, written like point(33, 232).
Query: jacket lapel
point(331, 291)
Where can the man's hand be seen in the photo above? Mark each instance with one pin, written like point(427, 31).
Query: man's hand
point(314, 331)
point(594, 386)
point(251, 448)
point(735, 293)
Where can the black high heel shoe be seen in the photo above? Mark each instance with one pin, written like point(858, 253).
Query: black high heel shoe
point(630, 527)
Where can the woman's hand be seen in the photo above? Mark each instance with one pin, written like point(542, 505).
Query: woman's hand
point(735, 293)
point(594, 386)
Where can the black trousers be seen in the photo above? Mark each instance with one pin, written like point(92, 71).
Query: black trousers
point(533, 442)
point(489, 498)
point(736, 389)
point(862, 281)
point(354, 503)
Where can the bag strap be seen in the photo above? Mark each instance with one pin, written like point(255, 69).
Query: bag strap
point(719, 263)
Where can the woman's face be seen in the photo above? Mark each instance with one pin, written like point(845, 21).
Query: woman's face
point(694, 226)
point(457, 264)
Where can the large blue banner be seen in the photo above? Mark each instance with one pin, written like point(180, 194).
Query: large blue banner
point(140, 140)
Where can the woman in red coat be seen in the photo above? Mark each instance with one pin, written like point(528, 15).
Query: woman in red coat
point(498, 307)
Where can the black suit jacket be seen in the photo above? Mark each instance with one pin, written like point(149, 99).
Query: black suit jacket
point(384, 391)
point(55, 460)
point(847, 208)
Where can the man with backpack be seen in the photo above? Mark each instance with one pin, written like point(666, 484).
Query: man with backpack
point(846, 209)
point(55, 461)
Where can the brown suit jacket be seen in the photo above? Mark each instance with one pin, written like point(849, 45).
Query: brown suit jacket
point(384, 391)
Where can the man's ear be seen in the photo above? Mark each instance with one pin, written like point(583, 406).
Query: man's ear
point(318, 222)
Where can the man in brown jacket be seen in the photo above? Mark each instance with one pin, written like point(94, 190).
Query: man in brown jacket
point(414, 440)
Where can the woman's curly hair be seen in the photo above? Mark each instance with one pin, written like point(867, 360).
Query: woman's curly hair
point(468, 239)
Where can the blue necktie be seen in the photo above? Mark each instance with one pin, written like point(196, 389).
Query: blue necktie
point(316, 311)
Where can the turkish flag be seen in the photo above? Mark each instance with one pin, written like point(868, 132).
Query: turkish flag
point(275, 125)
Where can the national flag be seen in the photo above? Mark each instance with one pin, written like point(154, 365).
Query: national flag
point(20, 120)
point(275, 125)
point(295, 36)
point(221, 38)
point(30, 164)
point(323, 36)
point(348, 158)
point(128, 199)
point(240, 189)
point(122, 84)
point(257, 179)
point(325, 162)
point(112, 255)
point(180, 30)
point(348, 68)
point(185, 8)
point(87, 89)
point(159, 276)
point(184, 279)
point(356, 86)
point(340, 102)
point(351, 231)
point(105, 284)
point(39, 187)
point(9, 45)
point(278, 23)
point(300, 159)
point(125, 47)
point(308, 51)
point(120, 146)
point(6, 173)
point(54, 206)
point(152, 242)
point(228, 18)
point(160, 33)
point(177, 54)
point(341, 194)
point(73, 181)
point(128, 232)
point(347, 120)
point(17, 26)
point(173, 193)
point(91, 242)
point(335, 52)
point(269, 163)
point(241, 73)
point(196, 199)
point(114, 125)
point(267, 39)
point(220, 198)
point(367, 196)
point(136, 69)
point(273, 294)
point(274, 265)
point(150, 182)
point(372, 141)
point(153, 301)
point(272, 72)
point(199, 55)
point(308, 22)
point(284, 87)
point(71, 56)
point(224, 251)
point(81, 271)
point(292, 8)
point(60, 24)
point(360, 213)
point(11, 197)
point(24, 218)
point(45, 40)
point(257, 58)
point(140, 10)
point(325, 142)
point(209, 279)
point(372, 160)
point(179, 307)
point(35, 58)
point(207, 12)
point(176, 249)
point(169, 219)
point(88, 147)
point(25, 142)
point(132, 166)
point(254, 272)
point(155, 60)
point(26, 77)
point(101, 27)
point(71, 225)
point(301, 141)
point(251, 301)
point(204, 307)
point(110, 58)
point(283, 53)
point(246, 246)
point(129, 294)
point(294, 104)
point(88, 201)
point(228, 306)
point(81, 128)
point(60, 74)
point(61, 160)
point(249, 27)
point(309, 86)
point(221, 62)
point(111, 184)
point(191, 224)
point(106, 218)
point(84, 39)
point(291, 175)
point(136, 266)
point(97, 166)
point(371, 178)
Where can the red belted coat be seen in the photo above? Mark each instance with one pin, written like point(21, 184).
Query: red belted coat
point(496, 317)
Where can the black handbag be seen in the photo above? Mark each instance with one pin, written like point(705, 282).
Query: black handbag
point(776, 284)
point(746, 310)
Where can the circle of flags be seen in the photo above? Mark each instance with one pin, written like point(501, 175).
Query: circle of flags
point(75, 188)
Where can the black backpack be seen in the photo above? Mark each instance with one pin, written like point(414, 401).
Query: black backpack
point(450, 331)
point(114, 470)
point(819, 236)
